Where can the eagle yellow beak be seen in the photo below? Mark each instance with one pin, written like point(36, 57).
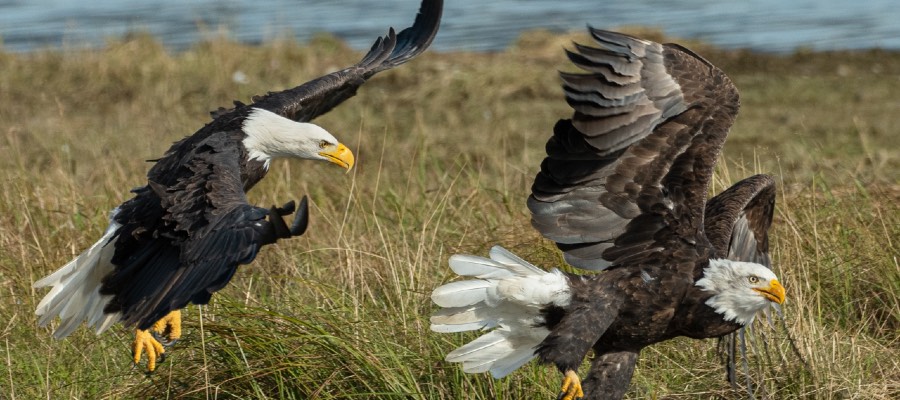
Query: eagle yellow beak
point(340, 155)
point(775, 292)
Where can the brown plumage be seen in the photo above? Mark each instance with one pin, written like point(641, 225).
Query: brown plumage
point(207, 174)
point(623, 189)
point(183, 234)
point(738, 220)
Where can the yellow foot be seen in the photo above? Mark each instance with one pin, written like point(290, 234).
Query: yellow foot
point(167, 330)
point(144, 341)
point(571, 387)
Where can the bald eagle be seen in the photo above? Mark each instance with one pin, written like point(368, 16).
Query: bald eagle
point(183, 234)
point(623, 190)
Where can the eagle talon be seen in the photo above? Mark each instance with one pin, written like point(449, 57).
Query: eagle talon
point(144, 342)
point(162, 334)
point(571, 387)
point(168, 329)
point(165, 340)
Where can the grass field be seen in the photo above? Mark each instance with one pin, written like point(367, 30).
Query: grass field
point(447, 147)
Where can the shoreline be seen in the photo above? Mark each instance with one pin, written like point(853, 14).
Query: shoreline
point(224, 36)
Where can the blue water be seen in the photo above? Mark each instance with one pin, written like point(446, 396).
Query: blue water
point(479, 25)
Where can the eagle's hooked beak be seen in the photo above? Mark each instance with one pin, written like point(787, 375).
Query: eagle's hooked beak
point(775, 292)
point(340, 155)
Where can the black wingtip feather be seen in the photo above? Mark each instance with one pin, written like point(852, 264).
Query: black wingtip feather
point(381, 50)
point(412, 41)
point(301, 219)
point(279, 228)
point(318, 96)
point(286, 209)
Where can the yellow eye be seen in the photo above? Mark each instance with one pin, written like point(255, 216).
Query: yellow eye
point(323, 143)
point(753, 279)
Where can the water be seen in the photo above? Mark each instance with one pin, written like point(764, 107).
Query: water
point(475, 25)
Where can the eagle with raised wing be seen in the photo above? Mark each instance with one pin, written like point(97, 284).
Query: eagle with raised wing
point(183, 234)
point(623, 190)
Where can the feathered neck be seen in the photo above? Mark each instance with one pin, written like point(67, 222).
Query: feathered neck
point(269, 135)
point(732, 295)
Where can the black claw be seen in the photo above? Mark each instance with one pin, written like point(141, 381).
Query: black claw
point(163, 340)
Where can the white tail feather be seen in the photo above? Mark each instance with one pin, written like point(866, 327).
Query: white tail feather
point(459, 319)
point(507, 294)
point(466, 265)
point(460, 294)
point(514, 262)
point(514, 360)
point(75, 295)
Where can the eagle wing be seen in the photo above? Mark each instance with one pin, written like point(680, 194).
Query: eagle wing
point(316, 97)
point(208, 229)
point(738, 220)
point(737, 225)
point(637, 156)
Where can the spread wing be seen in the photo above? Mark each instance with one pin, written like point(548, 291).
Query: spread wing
point(738, 220)
point(209, 229)
point(636, 158)
point(318, 96)
point(737, 225)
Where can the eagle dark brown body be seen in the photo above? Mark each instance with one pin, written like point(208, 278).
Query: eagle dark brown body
point(183, 234)
point(160, 222)
point(623, 190)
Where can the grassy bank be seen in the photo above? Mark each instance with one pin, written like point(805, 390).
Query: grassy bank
point(447, 147)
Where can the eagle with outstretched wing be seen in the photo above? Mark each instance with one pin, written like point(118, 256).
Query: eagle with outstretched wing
point(183, 234)
point(623, 190)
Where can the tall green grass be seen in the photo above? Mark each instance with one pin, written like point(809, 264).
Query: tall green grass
point(447, 147)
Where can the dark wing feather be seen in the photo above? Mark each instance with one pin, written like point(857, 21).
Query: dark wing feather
point(207, 230)
point(585, 320)
point(317, 97)
point(737, 225)
point(738, 220)
point(638, 153)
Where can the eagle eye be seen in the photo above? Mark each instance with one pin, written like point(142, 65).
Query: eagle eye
point(753, 279)
point(323, 143)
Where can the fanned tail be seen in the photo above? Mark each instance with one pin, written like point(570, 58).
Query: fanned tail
point(75, 295)
point(507, 295)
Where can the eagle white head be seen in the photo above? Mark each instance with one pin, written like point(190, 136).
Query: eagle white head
point(270, 135)
point(740, 289)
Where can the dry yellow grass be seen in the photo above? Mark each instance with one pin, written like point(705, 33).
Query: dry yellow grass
point(447, 147)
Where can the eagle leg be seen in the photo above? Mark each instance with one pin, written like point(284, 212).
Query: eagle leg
point(610, 373)
point(168, 327)
point(571, 387)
